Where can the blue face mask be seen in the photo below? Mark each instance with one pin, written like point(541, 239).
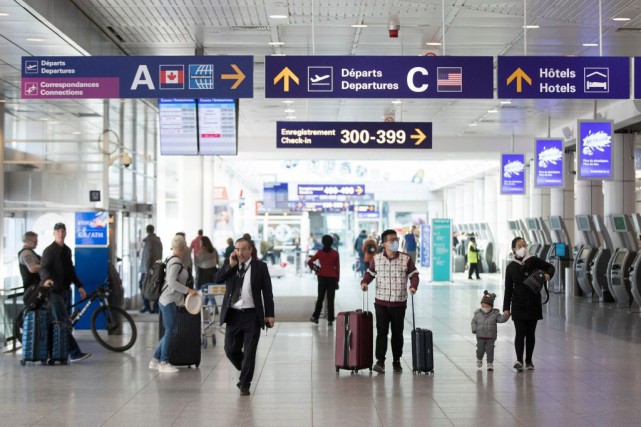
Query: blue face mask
point(394, 246)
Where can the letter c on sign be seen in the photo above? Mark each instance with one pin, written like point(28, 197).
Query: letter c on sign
point(410, 79)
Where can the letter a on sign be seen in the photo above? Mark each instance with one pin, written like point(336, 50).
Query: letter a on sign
point(142, 78)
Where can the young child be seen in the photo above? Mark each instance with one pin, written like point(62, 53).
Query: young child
point(484, 326)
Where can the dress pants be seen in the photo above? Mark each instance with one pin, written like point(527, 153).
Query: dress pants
point(325, 285)
point(241, 341)
point(386, 317)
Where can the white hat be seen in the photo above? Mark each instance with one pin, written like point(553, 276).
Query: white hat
point(193, 303)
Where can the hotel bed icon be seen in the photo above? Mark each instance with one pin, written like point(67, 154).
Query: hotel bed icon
point(596, 79)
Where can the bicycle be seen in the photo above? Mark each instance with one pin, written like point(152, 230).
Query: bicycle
point(111, 326)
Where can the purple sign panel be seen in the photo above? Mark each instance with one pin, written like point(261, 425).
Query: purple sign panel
point(594, 147)
point(548, 163)
point(379, 77)
point(513, 174)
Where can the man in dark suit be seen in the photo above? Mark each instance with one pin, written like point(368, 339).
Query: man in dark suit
point(247, 308)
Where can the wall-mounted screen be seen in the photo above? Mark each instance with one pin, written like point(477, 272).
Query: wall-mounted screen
point(594, 149)
point(178, 127)
point(560, 249)
point(618, 221)
point(555, 223)
point(582, 223)
point(217, 120)
point(513, 225)
point(531, 223)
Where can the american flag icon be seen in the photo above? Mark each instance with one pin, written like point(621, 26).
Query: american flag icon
point(449, 79)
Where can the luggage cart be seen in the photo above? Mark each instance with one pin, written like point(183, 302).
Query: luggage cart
point(210, 312)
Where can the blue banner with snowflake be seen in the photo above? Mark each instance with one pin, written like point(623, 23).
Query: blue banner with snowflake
point(512, 173)
point(594, 149)
point(548, 164)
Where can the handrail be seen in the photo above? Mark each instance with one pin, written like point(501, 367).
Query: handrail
point(12, 293)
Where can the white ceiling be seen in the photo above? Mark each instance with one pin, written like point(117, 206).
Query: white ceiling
point(322, 27)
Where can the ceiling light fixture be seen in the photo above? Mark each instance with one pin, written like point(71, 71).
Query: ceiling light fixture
point(278, 16)
point(472, 124)
point(493, 110)
point(291, 117)
point(358, 25)
point(76, 133)
point(397, 102)
point(290, 110)
point(35, 39)
point(288, 101)
point(4, 14)
point(433, 44)
point(531, 27)
point(276, 43)
point(590, 44)
point(621, 19)
point(505, 102)
point(278, 54)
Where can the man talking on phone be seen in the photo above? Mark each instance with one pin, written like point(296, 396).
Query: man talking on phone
point(248, 307)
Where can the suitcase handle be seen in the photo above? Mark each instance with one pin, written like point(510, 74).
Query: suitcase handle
point(413, 318)
point(365, 300)
point(349, 340)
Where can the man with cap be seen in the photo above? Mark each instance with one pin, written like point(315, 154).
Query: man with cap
point(58, 273)
point(484, 326)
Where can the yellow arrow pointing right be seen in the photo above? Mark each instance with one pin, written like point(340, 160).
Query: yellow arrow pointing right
point(419, 136)
point(239, 76)
point(519, 75)
point(285, 75)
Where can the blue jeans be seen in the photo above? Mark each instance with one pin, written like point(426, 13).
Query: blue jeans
point(58, 308)
point(169, 316)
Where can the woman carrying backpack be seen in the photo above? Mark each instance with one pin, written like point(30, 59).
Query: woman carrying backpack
point(172, 295)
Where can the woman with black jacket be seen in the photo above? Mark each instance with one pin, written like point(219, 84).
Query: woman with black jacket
point(522, 304)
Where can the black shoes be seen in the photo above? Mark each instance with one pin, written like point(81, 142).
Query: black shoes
point(244, 390)
point(144, 310)
point(379, 367)
point(397, 366)
point(79, 357)
point(313, 320)
point(330, 323)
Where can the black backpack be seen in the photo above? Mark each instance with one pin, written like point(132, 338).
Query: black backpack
point(152, 287)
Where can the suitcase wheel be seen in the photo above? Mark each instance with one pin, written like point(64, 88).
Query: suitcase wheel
point(197, 365)
point(204, 341)
point(22, 362)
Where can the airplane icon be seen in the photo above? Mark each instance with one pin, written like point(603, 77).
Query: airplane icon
point(31, 66)
point(317, 78)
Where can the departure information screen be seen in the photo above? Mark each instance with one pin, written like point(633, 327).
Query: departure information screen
point(217, 126)
point(178, 126)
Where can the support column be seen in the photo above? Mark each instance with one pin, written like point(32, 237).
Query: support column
point(618, 193)
point(190, 192)
point(459, 207)
point(562, 200)
point(2, 138)
point(449, 209)
point(478, 207)
point(468, 201)
point(539, 197)
point(588, 200)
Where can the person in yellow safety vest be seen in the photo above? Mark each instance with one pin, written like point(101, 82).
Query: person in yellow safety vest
point(473, 258)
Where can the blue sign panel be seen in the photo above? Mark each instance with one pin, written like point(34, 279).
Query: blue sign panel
point(92, 228)
point(548, 163)
point(276, 195)
point(379, 77)
point(637, 77)
point(319, 206)
point(563, 77)
point(425, 245)
point(137, 77)
point(331, 190)
point(512, 174)
point(367, 212)
point(594, 148)
point(353, 135)
point(441, 249)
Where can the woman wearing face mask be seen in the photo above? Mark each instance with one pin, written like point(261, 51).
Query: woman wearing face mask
point(525, 306)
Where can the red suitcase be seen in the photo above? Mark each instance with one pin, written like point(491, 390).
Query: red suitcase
point(354, 340)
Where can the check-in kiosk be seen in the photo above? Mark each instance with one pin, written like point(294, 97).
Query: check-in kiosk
point(539, 237)
point(560, 252)
point(621, 261)
point(635, 269)
point(599, 265)
point(584, 256)
point(488, 260)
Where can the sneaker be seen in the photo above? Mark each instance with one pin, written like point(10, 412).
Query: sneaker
point(313, 320)
point(244, 390)
point(167, 368)
point(479, 363)
point(379, 367)
point(490, 366)
point(144, 310)
point(518, 365)
point(79, 357)
point(529, 366)
point(154, 364)
point(397, 366)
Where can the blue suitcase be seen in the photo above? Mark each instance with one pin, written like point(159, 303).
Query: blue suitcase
point(59, 343)
point(35, 337)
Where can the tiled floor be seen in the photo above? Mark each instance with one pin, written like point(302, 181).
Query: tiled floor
point(587, 373)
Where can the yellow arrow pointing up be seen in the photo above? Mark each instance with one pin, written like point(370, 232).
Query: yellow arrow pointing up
point(285, 75)
point(519, 75)
point(239, 76)
point(419, 136)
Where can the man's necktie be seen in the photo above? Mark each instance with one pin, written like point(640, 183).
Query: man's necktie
point(238, 284)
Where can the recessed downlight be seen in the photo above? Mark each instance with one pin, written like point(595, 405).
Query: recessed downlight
point(531, 27)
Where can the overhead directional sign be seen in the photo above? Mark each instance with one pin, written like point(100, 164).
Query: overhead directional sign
point(561, 77)
point(637, 77)
point(320, 206)
point(367, 212)
point(331, 190)
point(379, 77)
point(137, 77)
point(353, 135)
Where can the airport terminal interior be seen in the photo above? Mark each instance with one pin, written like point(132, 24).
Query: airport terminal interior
point(443, 120)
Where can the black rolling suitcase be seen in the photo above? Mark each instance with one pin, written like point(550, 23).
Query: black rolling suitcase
point(184, 349)
point(422, 348)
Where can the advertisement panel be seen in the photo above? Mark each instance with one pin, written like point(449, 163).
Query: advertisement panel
point(549, 162)
point(441, 249)
point(512, 173)
point(92, 228)
point(594, 149)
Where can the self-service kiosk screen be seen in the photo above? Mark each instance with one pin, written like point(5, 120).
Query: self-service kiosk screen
point(585, 253)
point(583, 223)
point(513, 226)
point(619, 223)
point(555, 222)
point(531, 224)
point(620, 256)
point(561, 250)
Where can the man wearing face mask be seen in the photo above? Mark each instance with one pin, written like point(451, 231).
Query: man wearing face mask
point(522, 304)
point(392, 270)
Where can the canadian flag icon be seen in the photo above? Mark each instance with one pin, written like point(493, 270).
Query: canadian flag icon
point(172, 77)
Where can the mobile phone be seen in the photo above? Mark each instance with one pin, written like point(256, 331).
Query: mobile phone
point(234, 257)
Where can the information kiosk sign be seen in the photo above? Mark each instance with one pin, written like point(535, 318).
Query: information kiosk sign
point(91, 228)
point(441, 249)
point(512, 174)
point(548, 163)
point(594, 149)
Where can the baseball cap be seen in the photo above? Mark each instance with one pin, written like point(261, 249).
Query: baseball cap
point(60, 225)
